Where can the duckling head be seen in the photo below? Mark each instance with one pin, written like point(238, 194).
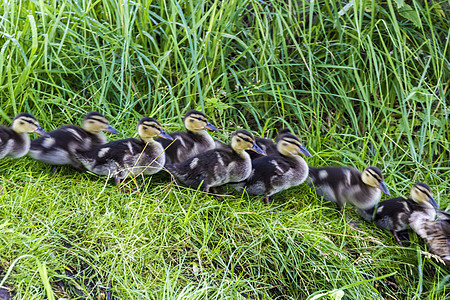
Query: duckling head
point(372, 176)
point(196, 121)
point(421, 193)
point(95, 122)
point(24, 123)
point(288, 144)
point(243, 140)
point(148, 128)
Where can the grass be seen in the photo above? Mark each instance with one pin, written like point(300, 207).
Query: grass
point(362, 84)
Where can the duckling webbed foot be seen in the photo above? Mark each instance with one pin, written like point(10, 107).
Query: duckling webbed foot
point(396, 237)
point(267, 200)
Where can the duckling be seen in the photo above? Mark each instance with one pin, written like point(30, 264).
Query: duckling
point(343, 184)
point(274, 173)
point(398, 214)
point(192, 142)
point(61, 145)
point(436, 233)
point(218, 166)
point(14, 141)
point(119, 158)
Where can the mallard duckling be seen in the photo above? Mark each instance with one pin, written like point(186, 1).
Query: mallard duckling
point(436, 233)
point(218, 166)
point(274, 173)
point(136, 156)
point(397, 214)
point(347, 185)
point(14, 141)
point(61, 145)
point(192, 142)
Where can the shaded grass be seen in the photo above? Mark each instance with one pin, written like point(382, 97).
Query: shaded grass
point(172, 242)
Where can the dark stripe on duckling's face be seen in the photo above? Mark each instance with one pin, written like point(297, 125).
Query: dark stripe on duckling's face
point(96, 122)
point(26, 116)
point(96, 119)
point(426, 191)
point(195, 120)
point(249, 140)
point(244, 140)
point(375, 172)
point(378, 180)
point(25, 119)
point(25, 122)
point(149, 127)
point(96, 116)
point(289, 144)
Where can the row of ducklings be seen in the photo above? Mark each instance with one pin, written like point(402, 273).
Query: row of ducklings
point(196, 159)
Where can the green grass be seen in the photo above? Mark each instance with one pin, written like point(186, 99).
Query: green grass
point(365, 85)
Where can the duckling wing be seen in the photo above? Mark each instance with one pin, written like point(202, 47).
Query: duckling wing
point(7, 138)
point(6, 134)
point(68, 139)
point(213, 167)
point(269, 168)
point(196, 169)
point(269, 175)
point(334, 176)
point(437, 236)
point(110, 157)
point(330, 182)
point(184, 146)
point(392, 214)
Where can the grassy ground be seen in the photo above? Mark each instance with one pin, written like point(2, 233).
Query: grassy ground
point(362, 84)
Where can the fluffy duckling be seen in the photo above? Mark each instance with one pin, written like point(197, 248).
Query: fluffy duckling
point(218, 166)
point(343, 184)
point(61, 145)
point(15, 141)
point(436, 234)
point(397, 214)
point(274, 173)
point(192, 142)
point(119, 158)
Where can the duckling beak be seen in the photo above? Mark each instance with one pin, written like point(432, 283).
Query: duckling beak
point(257, 149)
point(304, 151)
point(165, 135)
point(433, 202)
point(383, 188)
point(112, 130)
point(211, 126)
point(41, 131)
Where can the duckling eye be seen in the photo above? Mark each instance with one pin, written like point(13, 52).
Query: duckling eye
point(21, 122)
point(144, 127)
